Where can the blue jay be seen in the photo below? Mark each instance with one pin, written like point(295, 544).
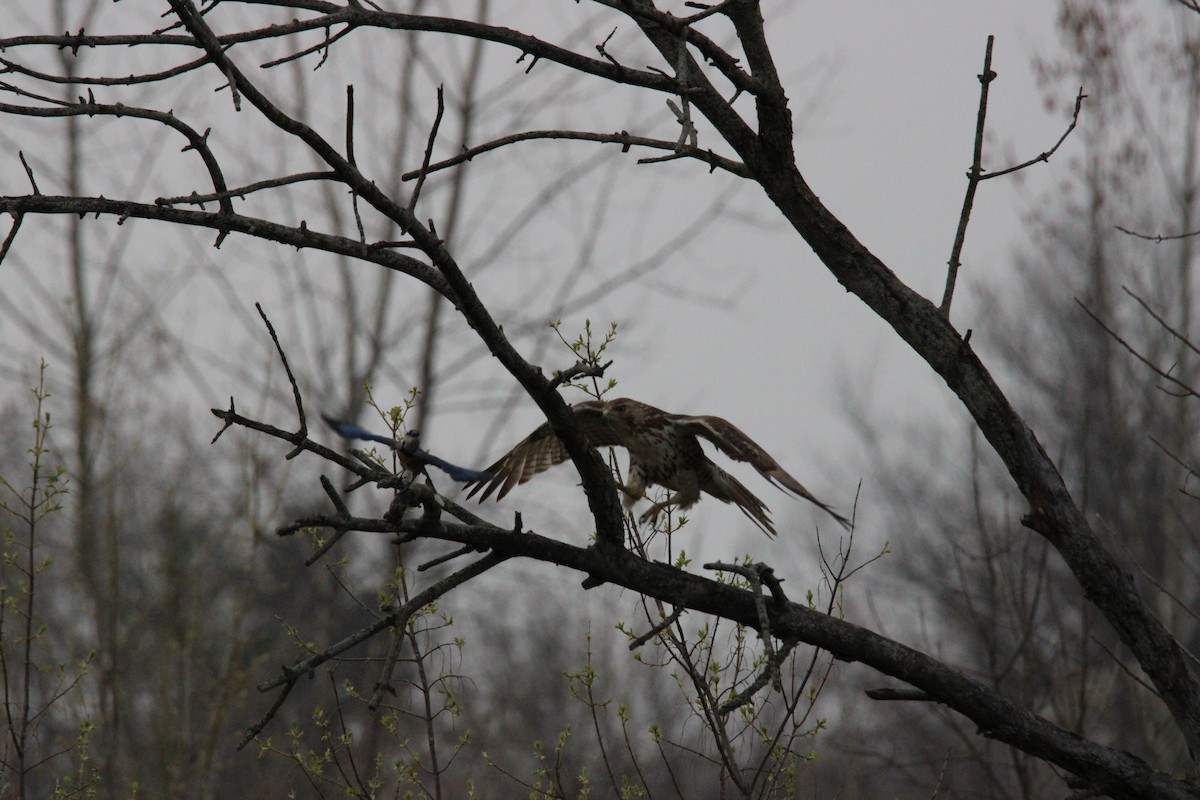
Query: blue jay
point(412, 457)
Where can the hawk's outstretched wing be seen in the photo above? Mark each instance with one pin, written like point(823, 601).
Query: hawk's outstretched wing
point(731, 441)
point(542, 449)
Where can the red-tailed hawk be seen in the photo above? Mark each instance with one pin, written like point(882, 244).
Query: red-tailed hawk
point(663, 451)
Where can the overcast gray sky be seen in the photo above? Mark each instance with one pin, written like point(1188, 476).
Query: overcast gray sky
point(884, 98)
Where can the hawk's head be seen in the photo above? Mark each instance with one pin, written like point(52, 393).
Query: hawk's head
point(622, 413)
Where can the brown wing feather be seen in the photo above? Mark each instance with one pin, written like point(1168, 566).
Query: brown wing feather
point(542, 449)
point(729, 489)
point(731, 441)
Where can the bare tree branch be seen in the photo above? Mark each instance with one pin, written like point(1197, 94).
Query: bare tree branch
point(1185, 389)
point(973, 177)
point(11, 236)
point(623, 138)
point(976, 174)
point(90, 108)
point(1178, 335)
point(1157, 237)
point(297, 237)
point(433, 132)
point(250, 188)
point(1044, 156)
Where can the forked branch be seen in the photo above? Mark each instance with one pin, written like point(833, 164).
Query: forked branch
point(976, 174)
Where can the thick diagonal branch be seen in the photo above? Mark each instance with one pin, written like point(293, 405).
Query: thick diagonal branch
point(769, 154)
point(1053, 511)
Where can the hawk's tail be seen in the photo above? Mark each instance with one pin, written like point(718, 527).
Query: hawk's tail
point(784, 481)
point(729, 489)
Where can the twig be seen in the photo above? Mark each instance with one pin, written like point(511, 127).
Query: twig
point(230, 417)
point(12, 235)
point(362, 233)
point(257, 227)
point(973, 177)
point(384, 683)
point(688, 135)
point(350, 15)
point(398, 618)
point(667, 622)
point(433, 131)
point(28, 172)
point(1044, 156)
point(1128, 672)
point(1159, 237)
point(755, 573)
point(623, 138)
point(1187, 391)
point(339, 531)
point(1191, 471)
point(125, 80)
point(976, 174)
point(600, 48)
point(345, 736)
point(254, 730)
point(241, 191)
point(321, 46)
point(303, 431)
point(462, 551)
point(718, 56)
point(579, 370)
point(768, 676)
point(89, 107)
point(235, 94)
point(366, 524)
point(885, 693)
point(708, 10)
point(937, 787)
point(1162, 322)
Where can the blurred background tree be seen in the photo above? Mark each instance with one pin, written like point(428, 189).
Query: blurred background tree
point(984, 594)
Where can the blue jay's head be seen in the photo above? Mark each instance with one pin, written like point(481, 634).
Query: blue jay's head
point(411, 441)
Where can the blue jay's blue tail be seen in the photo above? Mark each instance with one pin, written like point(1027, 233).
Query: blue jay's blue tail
point(411, 456)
